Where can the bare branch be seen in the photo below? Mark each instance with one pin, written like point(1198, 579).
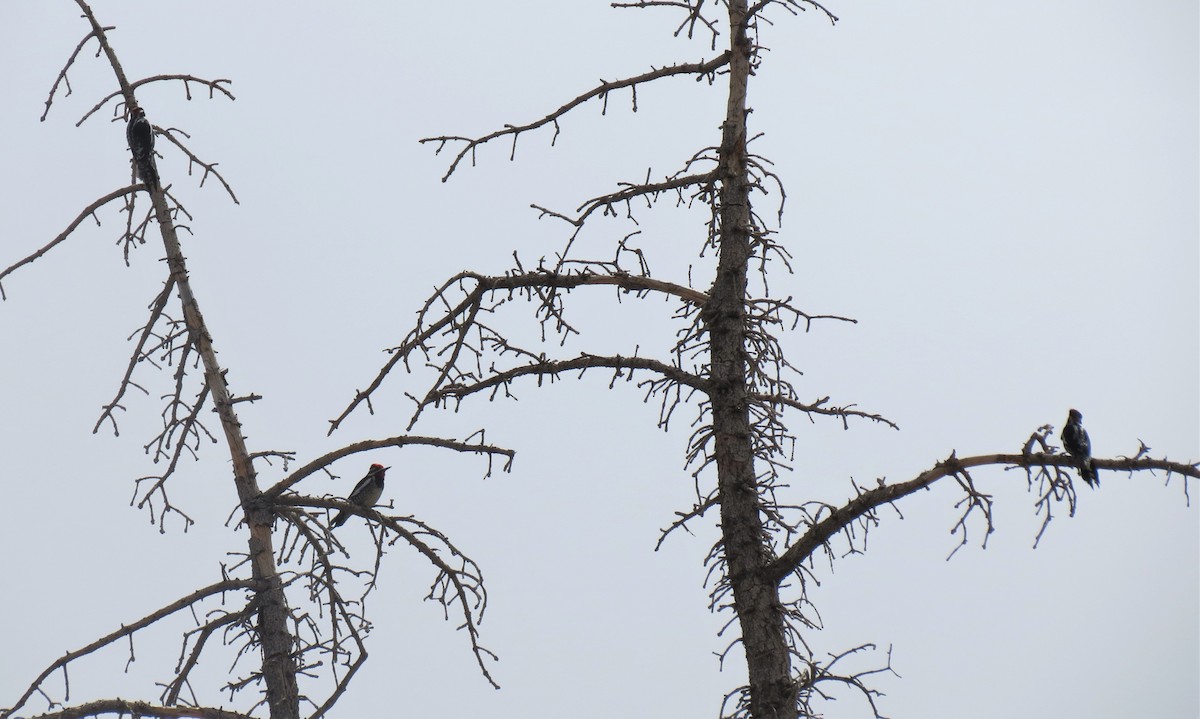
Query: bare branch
point(90, 210)
point(209, 168)
point(140, 709)
point(127, 630)
point(820, 407)
point(462, 585)
point(62, 74)
point(707, 67)
point(214, 86)
point(631, 191)
point(274, 492)
point(581, 363)
point(476, 287)
point(838, 519)
point(140, 352)
point(792, 6)
point(693, 16)
point(201, 634)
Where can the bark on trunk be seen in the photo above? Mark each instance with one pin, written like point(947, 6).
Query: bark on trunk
point(772, 691)
point(278, 661)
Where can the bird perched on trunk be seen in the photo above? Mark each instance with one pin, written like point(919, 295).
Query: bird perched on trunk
point(140, 136)
point(365, 494)
point(1075, 439)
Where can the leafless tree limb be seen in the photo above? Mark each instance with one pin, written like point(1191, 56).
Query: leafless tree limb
point(629, 192)
point(198, 638)
point(209, 168)
point(582, 363)
point(227, 585)
point(88, 211)
point(461, 585)
point(62, 74)
point(837, 520)
point(274, 492)
point(141, 352)
point(693, 15)
point(821, 407)
point(475, 288)
point(139, 709)
point(601, 91)
point(214, 86)
point(792, 6)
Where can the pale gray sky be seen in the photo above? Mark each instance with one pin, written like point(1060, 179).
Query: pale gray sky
point(1004, 195)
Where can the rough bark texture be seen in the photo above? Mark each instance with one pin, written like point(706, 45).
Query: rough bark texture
point(772, 692)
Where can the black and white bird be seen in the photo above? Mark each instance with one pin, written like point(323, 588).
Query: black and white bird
point(365, 494)
point(1079, 445)
point(140, 136)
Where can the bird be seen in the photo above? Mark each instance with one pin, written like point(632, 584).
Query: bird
point(1075, 439)
point(140, 136)
point(365, 494)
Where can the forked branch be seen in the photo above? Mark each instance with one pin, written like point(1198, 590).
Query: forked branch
point(447, 312)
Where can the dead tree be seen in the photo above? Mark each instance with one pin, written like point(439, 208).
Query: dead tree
point(289, 612)
point(726, 361)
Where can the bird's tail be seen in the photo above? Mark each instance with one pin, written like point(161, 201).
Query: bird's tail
point(148, 172)
point(1087, 470)
point(340, 519)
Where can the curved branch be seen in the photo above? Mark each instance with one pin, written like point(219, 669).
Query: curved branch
point(226, 585)
point(448, 573)
point(212, 85)
point(202, 634)
point(485, 284)
point(273, 493)
point(582, 362)
point(89, 210)
point(821, 532)
point(629, 192)
point(470, 623)
point(600, 91)
point(62, 74)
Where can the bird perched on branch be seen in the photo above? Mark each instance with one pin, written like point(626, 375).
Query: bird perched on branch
point(140, 136)
point(365, 494)
point(1075, 439)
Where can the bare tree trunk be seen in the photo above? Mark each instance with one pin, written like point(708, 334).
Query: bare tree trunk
point(772, 692)
point(279, 666)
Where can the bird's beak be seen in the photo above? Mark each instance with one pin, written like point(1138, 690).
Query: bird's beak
point(385, 469)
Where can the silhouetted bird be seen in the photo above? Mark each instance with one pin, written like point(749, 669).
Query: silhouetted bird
point(365, 494)
point(1075, 439)
point(140, 136)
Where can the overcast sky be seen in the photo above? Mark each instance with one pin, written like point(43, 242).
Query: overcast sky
point(1003, 194)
